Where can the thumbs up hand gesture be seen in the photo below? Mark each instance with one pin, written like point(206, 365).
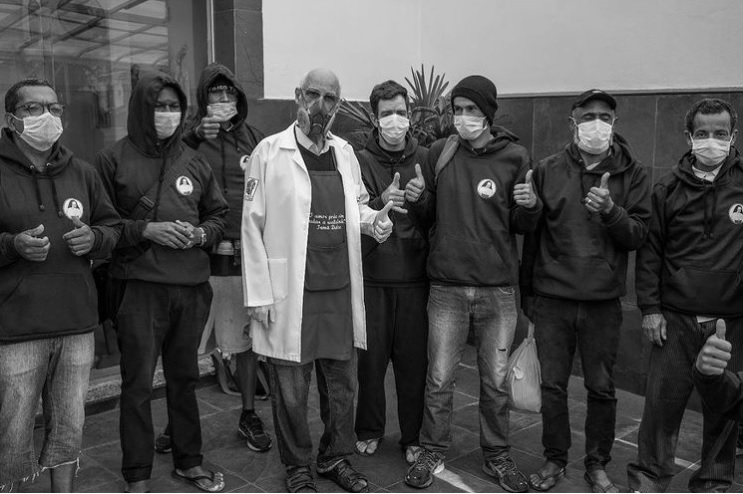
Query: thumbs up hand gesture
point(415, 186)
point(394, 194)
point(81, 239)
point(524, 194)
point(715, 354)
point(31, 246)
point(598, 199)
point(383, 224)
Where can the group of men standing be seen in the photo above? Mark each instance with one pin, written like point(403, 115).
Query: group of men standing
point(348, 260)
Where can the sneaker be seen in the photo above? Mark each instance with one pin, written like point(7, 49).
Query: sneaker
point(251, 428)
point(505, 472)
point(420, 474)
point(162, 442)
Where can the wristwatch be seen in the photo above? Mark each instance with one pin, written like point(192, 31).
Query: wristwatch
point(202, 236)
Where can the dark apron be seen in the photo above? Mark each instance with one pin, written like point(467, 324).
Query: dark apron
point(327, 320)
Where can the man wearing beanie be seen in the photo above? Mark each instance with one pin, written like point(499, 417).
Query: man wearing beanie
point(478, 196)
point(596, 199)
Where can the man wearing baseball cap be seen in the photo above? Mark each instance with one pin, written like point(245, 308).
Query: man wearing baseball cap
point(596, 199)
point(478, 195)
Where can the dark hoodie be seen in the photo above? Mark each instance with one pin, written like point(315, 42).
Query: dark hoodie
point(575, 254)
point(229, 149)
point(473, 239)
point(693, 258)
point(56, 297)
point(401, 259)
point(131, 166)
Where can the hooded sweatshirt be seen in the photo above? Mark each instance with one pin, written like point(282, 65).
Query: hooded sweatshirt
point(575, 254)
point(401, 259)
point(229, 149)
point(473, 239)
point(693, 259)
point(132, 165)
point(56, 297)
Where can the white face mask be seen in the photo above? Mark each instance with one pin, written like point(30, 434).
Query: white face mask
point(223, 112)
point(594, 137)
point(393, 128)
point(166, 123)
point(41, 132)
point(470, 128)
point(710, 152)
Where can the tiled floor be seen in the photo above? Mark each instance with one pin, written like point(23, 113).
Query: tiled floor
point(246, 471)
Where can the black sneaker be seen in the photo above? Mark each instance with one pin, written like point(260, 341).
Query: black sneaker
point(420, 474)
point(162, 442)
point(505, 472)
point(251, 428)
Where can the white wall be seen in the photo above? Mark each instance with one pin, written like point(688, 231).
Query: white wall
point(524, 46)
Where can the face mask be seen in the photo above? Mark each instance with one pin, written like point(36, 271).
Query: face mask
point(710, 152)
point(594, 137)
point(469, 128)
point(41, 132)
point(166, 123)
point(393, 128)
point(223, 112)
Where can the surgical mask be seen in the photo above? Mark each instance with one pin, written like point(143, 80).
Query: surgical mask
point(166, 123)
point(223, 112)
point(594, 137)
point(710, 152)
point(393, 128)
point(41, 132)
point(469, 128)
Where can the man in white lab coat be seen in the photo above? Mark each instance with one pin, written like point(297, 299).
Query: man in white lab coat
point(305, 207)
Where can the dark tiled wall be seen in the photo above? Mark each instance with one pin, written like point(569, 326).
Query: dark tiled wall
point(652, 123)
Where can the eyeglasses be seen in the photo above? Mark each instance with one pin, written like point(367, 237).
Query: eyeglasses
point(34, 108)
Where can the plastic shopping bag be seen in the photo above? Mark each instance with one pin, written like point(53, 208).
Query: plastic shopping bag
point(524, 376)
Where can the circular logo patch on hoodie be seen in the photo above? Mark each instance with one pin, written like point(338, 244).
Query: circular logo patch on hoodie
point(736, 213)
point(72, 208)
point(486, 188)
point(184, 185)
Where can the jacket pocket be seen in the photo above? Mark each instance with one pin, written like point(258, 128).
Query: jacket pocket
point(704, 292)
point(327, 268)
point(397, 260)
point(458, 259)
point(44, 304)
point(278, 273)
point(590, 276)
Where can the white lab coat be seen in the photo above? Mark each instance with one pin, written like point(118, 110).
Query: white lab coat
point(275, 221)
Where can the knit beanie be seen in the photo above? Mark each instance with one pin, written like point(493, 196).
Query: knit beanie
point(481, 91)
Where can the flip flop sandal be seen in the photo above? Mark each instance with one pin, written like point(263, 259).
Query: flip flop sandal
point(596, 487)
point(216, 478)
point(546, 482)
point(372, 444)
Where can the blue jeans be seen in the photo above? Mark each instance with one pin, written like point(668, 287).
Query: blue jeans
point(290, 384)
point(56, 370)
point(492, 313)
point(560, 325)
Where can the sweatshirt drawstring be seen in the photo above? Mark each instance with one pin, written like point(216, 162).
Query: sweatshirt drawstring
point(159, 188)
point(709, 216)
point(34, 174)
point(54, 189)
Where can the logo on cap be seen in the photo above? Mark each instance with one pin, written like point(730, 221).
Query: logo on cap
point(486, 188)
point(72, 208)
point(184, 185)
point(736, 213)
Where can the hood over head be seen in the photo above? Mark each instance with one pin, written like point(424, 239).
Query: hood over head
point(210, 73)
point(141, 120)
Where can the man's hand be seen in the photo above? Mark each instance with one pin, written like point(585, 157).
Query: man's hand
point(598, 199)
point(208, 128)
point(194, 233)
point(30, 246)
point(81, 239)
point(394, 194)
point(654, 326)
point(168, 234)
point(524, 194)
point(263, 314)
point(715, 354)
point(383, 223)
point(415, 186)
